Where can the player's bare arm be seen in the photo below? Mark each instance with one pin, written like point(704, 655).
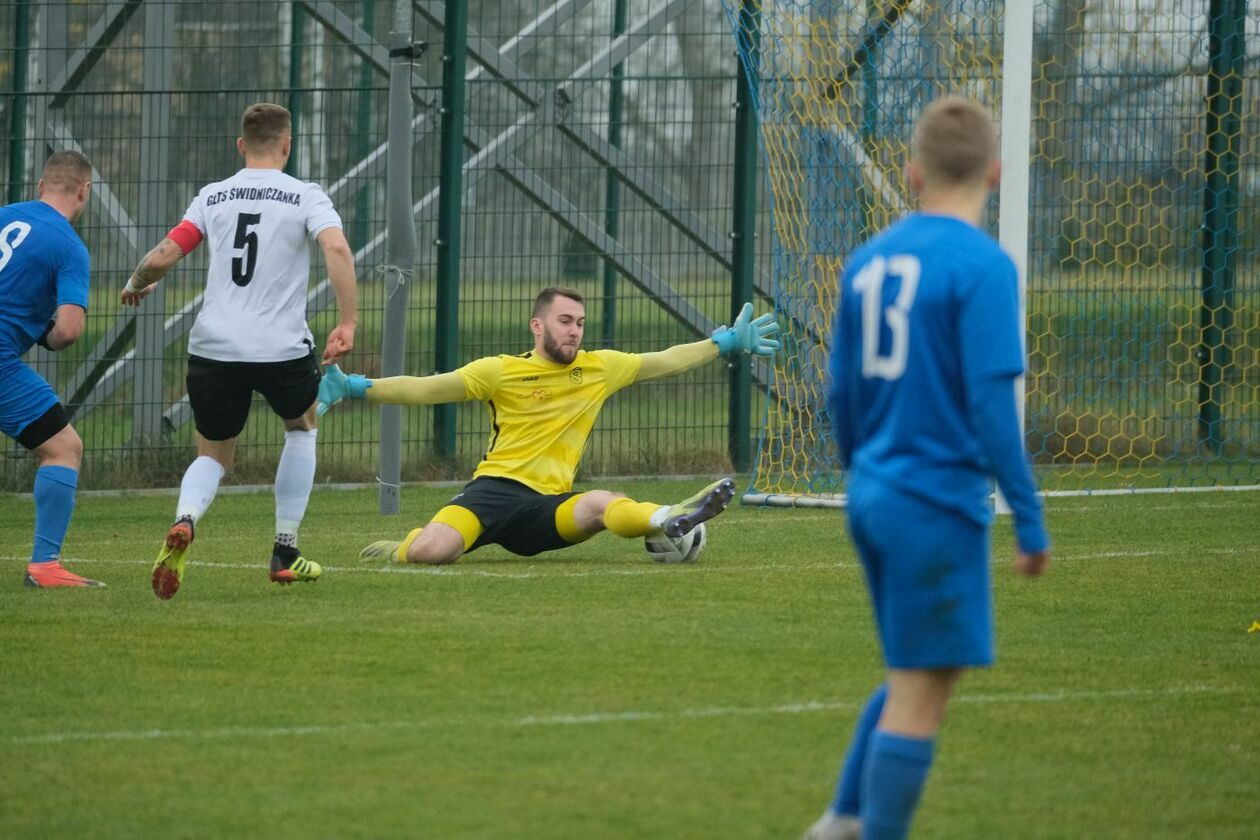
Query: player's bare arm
point(65, 327)
point(152, 268)
point(340, 262)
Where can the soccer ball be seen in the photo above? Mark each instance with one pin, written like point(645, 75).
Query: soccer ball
point(684, 549)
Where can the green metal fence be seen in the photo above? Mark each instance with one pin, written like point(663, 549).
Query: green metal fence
point(609, 145)
point(1143, 278)
point(595, 149)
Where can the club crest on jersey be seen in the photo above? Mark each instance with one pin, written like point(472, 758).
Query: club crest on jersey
point(575, 376)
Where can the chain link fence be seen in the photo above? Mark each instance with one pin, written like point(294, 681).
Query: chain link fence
point(1143, 288)
point(598, 149)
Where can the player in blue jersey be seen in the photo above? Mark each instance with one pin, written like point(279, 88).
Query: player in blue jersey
point(43, 299)
point(924, 360)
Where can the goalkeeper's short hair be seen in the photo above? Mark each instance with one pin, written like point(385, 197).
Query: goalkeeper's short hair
point(543, 302)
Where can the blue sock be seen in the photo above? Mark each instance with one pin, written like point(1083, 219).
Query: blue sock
point(896, 768)
point(848, 790)
point(54, 503)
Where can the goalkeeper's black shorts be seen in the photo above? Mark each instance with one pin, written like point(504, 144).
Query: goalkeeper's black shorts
point(520, 519)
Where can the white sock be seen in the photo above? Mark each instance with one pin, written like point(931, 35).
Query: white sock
point(196, 491)
point(294, 478)
point(658, 517)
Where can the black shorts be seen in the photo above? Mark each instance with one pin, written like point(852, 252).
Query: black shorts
point(43, 428)
point(220, 392)
point(514, 516)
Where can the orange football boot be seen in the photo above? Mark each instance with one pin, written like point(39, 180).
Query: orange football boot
point(52, 573)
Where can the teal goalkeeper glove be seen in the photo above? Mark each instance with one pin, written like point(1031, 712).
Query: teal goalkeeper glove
point(748, 334)
point(336, 386)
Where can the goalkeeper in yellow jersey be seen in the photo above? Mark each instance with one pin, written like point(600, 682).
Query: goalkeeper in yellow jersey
point(543, 405)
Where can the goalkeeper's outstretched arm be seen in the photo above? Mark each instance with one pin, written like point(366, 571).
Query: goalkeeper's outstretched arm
point(417, 390)
point(756, 336)
point(677, 359)
point(392, 390)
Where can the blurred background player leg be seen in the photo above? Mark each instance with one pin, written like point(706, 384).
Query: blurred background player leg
point(840, 821)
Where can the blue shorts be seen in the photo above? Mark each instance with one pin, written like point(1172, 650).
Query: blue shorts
point(928, 574)
point(24, 396)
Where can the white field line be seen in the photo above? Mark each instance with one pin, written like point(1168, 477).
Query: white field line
point(532, 572)
point(1076, 500)
point(528, 573)
point(1103, 506)
point(1146, 491)
point(246, 732)
point(613, 481)
point(253, 489)
point(789, 501)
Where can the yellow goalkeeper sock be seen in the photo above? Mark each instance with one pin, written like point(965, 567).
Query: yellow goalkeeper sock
point(566, 521)
point(400, 554)
point(628, 518)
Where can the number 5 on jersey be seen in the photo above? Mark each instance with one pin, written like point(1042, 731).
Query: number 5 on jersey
point(246, 239)
point(869, 283)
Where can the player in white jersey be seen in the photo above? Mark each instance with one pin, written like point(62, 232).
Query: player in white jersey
point(251, 333)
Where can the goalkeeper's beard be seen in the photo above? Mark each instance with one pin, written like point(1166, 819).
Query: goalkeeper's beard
point(556, 351)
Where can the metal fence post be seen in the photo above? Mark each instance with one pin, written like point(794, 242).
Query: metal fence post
point(744, 231)
point(297, 50)
point(17, 118)
point(53, 39)
point(155, 140)
point(1227, 51)
point(612, 184)
point(450, 201)
point(401, 247)
point(363, 147)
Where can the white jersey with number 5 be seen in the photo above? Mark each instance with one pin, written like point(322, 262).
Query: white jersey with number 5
point(259, 225)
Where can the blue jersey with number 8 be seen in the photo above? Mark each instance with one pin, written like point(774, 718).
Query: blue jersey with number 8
point(43, 264)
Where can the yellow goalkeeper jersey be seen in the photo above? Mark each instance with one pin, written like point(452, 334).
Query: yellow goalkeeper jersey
point(542, 412)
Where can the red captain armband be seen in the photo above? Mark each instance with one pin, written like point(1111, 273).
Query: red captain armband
point(185, 235)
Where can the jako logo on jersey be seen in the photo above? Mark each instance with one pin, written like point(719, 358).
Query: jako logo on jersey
point(575, 376)
point(529, 378)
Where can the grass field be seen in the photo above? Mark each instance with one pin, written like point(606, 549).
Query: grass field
point(593, 694)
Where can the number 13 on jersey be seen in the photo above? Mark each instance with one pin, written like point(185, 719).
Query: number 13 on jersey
point(869, 283)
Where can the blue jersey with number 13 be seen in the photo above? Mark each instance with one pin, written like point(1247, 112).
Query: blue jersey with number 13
point(928, 309)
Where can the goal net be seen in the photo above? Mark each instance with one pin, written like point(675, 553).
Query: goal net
point(1142, 289)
